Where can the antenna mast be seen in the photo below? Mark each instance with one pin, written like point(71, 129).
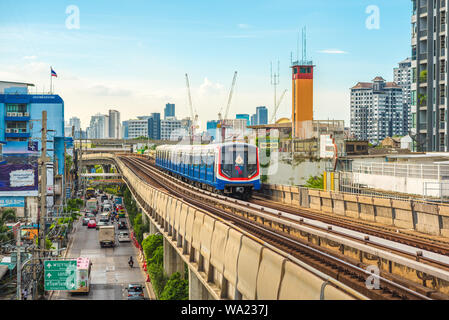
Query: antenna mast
point(274, 82)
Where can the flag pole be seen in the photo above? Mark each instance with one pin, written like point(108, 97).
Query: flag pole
point(51, 80)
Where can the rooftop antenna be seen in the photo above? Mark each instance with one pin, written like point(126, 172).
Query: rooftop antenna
point(304, 44)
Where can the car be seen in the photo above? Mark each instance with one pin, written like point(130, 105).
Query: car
point(123, 236)
point(122, 225)
point(92, 224)
point(86, 221)
point(135, 292)
point(101, 223)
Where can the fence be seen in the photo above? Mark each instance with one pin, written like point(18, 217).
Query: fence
point(423, 171)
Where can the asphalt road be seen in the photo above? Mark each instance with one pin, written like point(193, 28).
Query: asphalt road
point(110, 274)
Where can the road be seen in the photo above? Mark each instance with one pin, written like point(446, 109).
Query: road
point(110, 271)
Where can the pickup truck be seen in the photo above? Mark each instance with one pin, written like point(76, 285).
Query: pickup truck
point(106, 236)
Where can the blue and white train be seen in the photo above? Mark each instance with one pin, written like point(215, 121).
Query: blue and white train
point(230, 168)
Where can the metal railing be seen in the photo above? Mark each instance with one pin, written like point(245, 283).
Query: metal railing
point(424, 171)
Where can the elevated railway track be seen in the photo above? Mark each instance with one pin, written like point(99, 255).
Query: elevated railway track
point(404, 272)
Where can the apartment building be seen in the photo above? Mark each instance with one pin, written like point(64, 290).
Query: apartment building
point(429, 90)
point(377, 111)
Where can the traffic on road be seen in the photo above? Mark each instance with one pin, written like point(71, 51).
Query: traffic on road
point(105, 253)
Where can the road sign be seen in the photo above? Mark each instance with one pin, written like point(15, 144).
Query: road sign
point(60, 275)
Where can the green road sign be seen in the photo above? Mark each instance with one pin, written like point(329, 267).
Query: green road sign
point(60, 275)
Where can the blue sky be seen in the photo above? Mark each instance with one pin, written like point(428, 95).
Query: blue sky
point(133, 55)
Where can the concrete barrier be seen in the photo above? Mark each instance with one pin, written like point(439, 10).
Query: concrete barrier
point(232, 250)
point(218, 246)
point(247, 268)
point(270, 274)
point(206, 233)
point(421, 216)
point(299, 284)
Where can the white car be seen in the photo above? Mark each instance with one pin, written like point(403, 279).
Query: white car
point(123, 236)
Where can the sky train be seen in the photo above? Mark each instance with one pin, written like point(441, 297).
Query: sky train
point(230, 168)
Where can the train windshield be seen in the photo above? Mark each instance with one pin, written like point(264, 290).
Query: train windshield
point(239, 161)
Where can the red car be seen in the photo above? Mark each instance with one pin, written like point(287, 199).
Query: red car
point(92, 224)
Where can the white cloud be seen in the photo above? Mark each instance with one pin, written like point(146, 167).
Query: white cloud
point(210, 88)
point(333, 51)
point(243, 26)
point(30, 58)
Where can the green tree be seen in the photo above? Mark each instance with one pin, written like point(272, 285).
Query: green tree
point(6, 216)
point(176, 288)
point(315, 182)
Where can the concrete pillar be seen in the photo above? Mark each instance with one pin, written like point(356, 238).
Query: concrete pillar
point(196, 289)
point(153, 229)
point(172, 261)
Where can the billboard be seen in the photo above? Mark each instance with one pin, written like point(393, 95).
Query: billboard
point(19, 169)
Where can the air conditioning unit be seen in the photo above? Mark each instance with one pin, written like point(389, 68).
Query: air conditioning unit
point(26, 114)
point(23, 130)
point(20, 114)
point(9, 114)
point(16, 130)
point(13, 114)
point(8, 130)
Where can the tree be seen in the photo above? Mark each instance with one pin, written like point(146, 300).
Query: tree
point(315, 182)
point(6, 216)
point(176, 288)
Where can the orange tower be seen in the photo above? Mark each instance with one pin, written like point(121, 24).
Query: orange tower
point(302, 96)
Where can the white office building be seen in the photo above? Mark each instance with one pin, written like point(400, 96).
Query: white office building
point(137, 128)
point(114, 124)
point(171, 129)
point(403, 78)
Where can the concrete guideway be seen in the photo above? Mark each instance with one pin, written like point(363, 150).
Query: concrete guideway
point(280, 222)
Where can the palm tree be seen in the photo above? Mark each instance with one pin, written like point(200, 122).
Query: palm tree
point(7, 215)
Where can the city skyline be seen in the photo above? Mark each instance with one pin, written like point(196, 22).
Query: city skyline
point(141, 73)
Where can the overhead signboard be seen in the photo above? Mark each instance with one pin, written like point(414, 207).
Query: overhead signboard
point(60, 275)
point(12, 202)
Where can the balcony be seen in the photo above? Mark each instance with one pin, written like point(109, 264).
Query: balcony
point(17, 116)
point(442, 4)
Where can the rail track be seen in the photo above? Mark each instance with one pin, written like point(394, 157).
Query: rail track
point(342, 268)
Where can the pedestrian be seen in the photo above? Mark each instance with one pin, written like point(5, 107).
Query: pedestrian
point(25, 294)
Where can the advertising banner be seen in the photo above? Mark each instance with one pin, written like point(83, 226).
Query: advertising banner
point(16, 202)
point(19, 170)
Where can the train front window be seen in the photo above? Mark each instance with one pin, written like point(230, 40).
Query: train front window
point(239, 161)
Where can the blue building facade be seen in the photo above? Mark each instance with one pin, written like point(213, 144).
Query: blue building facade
point(20, 134)
point(244, 116)
point(262, 115)
point(125, 129)
point(212, 128)
point(169, 110)
point(254, 120)
point(154, 126)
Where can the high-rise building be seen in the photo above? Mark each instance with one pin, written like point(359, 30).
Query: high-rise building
point(243, 116)
point(377, 111)
point(429, 89)
point(403, 78)
point(154, 126)
point(169, 110)
point(99, 127)
point(262, 115)
point(125, 130)
point(114, 124)
point(76, 122)
point(254, 120)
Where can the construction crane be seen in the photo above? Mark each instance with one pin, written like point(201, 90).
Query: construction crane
point(273, 117)
point(193, 115)
point(222, 119)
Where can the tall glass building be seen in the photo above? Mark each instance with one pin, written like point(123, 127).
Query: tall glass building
point(262, 115)
point(243, 116)
point(169, 110)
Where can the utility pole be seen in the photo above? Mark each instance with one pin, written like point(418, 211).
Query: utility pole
point(19, 267)
point(43, 201)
